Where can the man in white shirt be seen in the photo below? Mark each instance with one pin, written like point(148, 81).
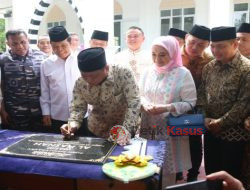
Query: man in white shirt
point(134, 57)
point(58, 75)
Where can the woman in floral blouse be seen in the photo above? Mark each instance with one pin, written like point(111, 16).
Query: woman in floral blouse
point(167, 87)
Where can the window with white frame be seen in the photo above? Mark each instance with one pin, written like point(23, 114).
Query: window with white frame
point(53, 24)
point(182, 18)
point(117, 30)
point(241, 13)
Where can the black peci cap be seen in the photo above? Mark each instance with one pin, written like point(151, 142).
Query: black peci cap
point(100, 35)
point(58, 34)
point(244, 28)
point(91, 59)
point(200, 32)
point(223, 33)
point(176, 32)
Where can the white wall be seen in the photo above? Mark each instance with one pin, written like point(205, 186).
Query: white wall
point(130, 17)
point(97, 15)
point(150, 12)
point(22, 13)
point(202, 11)
point(220, 13)
point(144, 14)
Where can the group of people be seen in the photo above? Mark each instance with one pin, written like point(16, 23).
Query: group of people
point(67, 90)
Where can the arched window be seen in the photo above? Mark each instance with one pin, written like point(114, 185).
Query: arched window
point(56, 17)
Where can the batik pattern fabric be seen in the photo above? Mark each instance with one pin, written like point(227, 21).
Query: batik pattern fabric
point(225, 95)
point(115, 101)
point(196, 66)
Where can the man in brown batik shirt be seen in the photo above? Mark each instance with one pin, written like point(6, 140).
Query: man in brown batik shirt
point(195, 58)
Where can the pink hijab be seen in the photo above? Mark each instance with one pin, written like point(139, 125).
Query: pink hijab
point(173, 48)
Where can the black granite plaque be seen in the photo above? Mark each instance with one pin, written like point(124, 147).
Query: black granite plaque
point(53, 147)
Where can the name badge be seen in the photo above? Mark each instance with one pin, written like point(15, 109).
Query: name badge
point(12, 67)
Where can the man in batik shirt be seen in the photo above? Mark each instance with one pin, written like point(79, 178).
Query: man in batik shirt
point(243, 36)
point(195, 57)
point(112, 92)
point(225, 96)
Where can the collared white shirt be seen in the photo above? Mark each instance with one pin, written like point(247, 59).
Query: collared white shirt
point(57, 82)
point(138, 61)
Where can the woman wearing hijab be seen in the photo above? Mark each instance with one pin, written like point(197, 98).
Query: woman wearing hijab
point(167, 87)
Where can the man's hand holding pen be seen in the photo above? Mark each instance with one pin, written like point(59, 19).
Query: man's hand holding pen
point(68, 131)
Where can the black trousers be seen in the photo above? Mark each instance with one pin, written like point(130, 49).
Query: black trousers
point(223, 155)
point(195, 143)
point(25, 123)
point(55, 126)
point(83, 130)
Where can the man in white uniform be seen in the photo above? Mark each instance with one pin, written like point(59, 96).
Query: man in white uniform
point(58, 75)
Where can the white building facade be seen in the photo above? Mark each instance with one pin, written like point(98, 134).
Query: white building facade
point(78, 16)
point(155, 17)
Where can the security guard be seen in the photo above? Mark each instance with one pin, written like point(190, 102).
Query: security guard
point(20, 75)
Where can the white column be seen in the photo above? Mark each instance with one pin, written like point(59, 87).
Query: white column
point(202, 12)
point(22, 13)
point(150, 21)
point(97, 15)
point(130, 17)
point(144, 14)
point(220, 13)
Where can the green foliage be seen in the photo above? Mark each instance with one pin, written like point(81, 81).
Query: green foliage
point(2, 35)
